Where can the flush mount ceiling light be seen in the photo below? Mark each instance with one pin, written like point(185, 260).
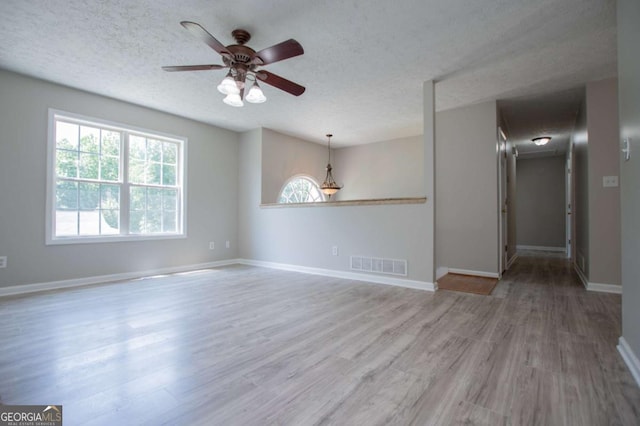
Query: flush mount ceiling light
point(243, 63)
point(542, 140)
point(329, 186)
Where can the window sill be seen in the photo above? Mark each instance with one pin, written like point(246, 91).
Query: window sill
point(369, 202)
point(111, 239)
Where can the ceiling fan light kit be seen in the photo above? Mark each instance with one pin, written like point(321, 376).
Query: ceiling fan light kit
point(244, 64)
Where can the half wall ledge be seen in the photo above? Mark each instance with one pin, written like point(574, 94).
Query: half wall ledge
point(369, 202)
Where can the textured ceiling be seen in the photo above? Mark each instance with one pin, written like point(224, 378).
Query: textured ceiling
point(363, 66)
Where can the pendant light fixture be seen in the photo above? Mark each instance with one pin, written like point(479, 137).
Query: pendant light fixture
point(329, 186)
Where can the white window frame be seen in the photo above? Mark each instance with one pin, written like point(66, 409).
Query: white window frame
point(52, 239)
point(323, 197)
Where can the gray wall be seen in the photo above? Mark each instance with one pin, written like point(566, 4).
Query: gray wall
point(629, 102)
point(304, 236)
point(580, 211)
point(283, 157)
point(211, 197)
point(389, 169)
point(540, 207)
point(604, 203)
point(466, 188)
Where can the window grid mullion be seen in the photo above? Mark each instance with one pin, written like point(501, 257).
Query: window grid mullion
point(124, 189)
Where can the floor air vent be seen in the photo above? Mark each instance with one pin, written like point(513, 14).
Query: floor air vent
point(379, 265)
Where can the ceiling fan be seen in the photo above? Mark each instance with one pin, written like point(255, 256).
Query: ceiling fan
point(243, 63)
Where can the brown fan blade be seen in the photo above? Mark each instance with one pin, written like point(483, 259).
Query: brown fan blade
point(204, 35)
point(193, 67)
point(280, 82)
point(285, 50)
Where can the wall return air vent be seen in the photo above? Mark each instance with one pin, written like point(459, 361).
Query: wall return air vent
point(379, 265)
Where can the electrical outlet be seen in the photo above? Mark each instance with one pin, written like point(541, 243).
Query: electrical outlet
point(334, 250)
point(3, 262)
point(228, 244)
point(212, 245)
point(609, 181)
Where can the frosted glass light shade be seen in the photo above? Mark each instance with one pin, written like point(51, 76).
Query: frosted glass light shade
point(255, 95)
point(233, 99)
point(228, 86)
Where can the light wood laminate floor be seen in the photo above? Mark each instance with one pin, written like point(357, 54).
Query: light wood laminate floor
point(252, 346)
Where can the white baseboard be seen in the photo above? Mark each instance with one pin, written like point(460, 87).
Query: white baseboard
point(419, 285)
point(78, 282)
point(630, 359)
point(599, 287)
point(581, 275)
point(476, 273)
point(441, 271)
point(510, 261)
point(542, 248)
point(604, 288)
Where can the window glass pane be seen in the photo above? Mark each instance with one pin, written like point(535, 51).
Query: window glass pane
point(66, 223)
point(110, 223)
point(153, 173)
point(89, 166)
point(89, 196)
point(89, 139)
point(169, 221)
point(169, 199)
point(137, 147)
point(137, 198)
point(154, 221)
point(136, 222)
point(168, 174)
point(67, 136)
point(110, 143)
point(170, 153)
point(66, 195)
point(154, 150)
point(110, 168)
point(110, 197)
point(67, 163)
point(154, 199)
point(136, 171)
point(89, 222)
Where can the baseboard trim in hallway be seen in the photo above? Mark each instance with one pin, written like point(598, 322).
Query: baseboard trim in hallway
point(630, 359)
point(599, 287)
point(542, 248)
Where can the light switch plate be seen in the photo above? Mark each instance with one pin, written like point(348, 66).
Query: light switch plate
point(610, 181)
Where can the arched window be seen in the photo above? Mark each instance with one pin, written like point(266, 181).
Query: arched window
point(301, 189)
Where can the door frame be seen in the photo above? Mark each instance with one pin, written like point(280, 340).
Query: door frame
point(503, 226)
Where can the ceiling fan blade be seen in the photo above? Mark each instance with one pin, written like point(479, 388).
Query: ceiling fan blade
point(285, 50)
point(193, 67)
point(280, 82)
point(204, 35)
